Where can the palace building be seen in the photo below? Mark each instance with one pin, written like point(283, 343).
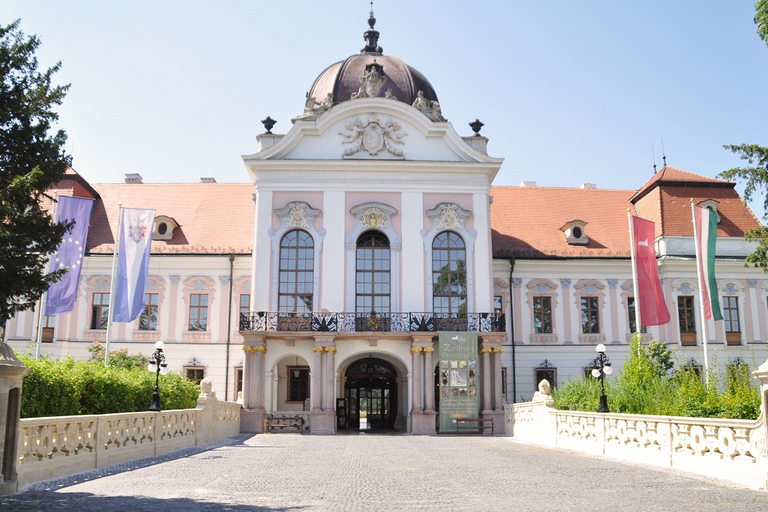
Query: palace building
point(370, 237)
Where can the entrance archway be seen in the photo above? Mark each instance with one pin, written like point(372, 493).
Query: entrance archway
point(370, 392)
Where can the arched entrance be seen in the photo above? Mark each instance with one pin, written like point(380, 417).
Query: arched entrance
point(370, 392)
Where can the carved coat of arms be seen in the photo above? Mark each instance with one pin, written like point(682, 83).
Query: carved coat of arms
point(373, 137)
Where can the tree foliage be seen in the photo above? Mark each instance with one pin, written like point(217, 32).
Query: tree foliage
point(761, 19)
point(645, 385)
point(31, 162)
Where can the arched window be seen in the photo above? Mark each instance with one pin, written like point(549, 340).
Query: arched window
point(372, 281)
point(297, 256)
point(449, 274)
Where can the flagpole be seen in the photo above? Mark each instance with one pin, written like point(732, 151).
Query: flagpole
point(118, 236)
point(636, 288)
point(701, 292)
point(44, 296)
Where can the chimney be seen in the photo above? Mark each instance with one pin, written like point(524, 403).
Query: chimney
point(528, 184)
point(207, 180)
point(588, 186)
point(133, 178)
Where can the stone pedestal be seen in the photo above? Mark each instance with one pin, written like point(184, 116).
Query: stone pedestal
point(499, 421)
point(323, 423)
point(252, 421)
point(423, 423)
point(12, 372)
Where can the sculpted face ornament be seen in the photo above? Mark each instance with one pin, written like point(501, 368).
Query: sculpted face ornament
point(373, 137)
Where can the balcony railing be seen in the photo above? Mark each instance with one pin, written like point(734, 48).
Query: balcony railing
point(264, 321)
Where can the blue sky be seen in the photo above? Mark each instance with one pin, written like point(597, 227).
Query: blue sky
point(569, 91)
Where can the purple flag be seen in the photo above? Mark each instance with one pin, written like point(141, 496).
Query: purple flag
point(132, 263)
point(63, 293)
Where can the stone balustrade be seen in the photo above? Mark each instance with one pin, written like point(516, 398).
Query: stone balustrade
point(64, 445)
point(735, 450)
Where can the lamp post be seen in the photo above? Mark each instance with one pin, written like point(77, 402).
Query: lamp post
point(158, 365)
point(602, 368)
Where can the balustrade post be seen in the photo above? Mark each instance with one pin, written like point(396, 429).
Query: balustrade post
point(762, 375)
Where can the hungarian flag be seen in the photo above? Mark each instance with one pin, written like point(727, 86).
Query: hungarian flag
point(705, 236)
point(653, 307)
point(63, 293)
point(132, 263)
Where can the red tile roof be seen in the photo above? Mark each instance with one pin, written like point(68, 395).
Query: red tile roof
point(526, 221)
point(213, 218)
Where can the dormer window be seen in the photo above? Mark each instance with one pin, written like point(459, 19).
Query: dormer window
point(575, 233)
point(164, 227)
point(711, 204)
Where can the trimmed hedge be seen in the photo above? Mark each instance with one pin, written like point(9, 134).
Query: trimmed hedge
point(63, 387)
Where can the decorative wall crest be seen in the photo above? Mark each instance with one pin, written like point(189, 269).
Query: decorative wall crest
point(373, 217)
point(372, 81)
point(297, 215)
point(373, 137)
point(448, 216)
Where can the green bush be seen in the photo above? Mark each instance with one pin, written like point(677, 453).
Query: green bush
point(647, 385)
point(68, 387)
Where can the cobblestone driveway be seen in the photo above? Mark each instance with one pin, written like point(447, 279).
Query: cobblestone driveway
point(291, 472)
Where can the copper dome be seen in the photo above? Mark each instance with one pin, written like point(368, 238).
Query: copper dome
point(344, 78)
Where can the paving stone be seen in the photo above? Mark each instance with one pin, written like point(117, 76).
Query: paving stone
point(292, 472)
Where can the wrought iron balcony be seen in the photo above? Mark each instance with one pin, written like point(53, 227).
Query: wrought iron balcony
point(264, 321)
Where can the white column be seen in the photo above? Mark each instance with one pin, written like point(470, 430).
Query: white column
point(483, 259)
point(413, 294)
point(330, 395)
point(333, 260)
point(429, 380)
point(416, 363)
point(498, 404)
point(486, 379)
point(317, 380)
point(260, 275)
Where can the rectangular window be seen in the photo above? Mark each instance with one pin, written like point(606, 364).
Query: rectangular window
point(498, 307)
point(100, 310)
point(239, 383)
point(731, 320)
point(298, 383)
point(245, 303)
point(148, 318)
point(731, 314)
point(590, 316)
point(194, 373)
point(687, 319)
point(48, 327)
point(549, 373)
point(542, 315)
point(632, 318)
point(198, 312)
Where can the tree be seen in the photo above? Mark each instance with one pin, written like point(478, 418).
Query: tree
point(756, 175)
point(761, 19)
point(32, 161)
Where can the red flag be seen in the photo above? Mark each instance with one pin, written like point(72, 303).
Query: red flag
point(653, 307)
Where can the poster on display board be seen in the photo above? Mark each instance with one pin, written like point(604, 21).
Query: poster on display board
point(459, 378)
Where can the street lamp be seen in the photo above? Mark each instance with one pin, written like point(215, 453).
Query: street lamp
point(158, 365)
point(602, 368)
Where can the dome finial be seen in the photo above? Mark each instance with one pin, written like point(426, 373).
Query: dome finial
point(371, 36)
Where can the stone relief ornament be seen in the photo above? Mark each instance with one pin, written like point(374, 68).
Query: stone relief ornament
point(372, 81)
point(297, 214)
point(429, 108)
point(373, 137)
point(314, 109)
point(448, 216)
point(373, 217)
